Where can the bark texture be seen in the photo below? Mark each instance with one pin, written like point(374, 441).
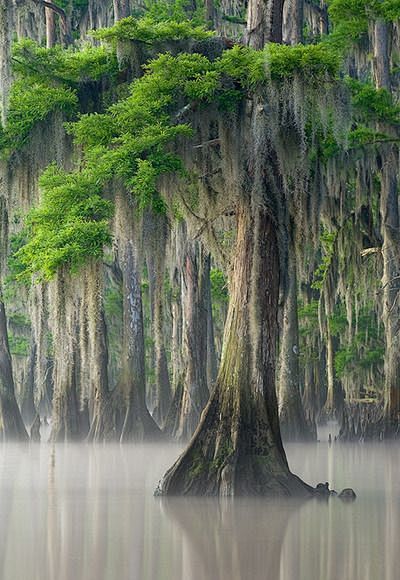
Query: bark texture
point(264, 22)
point(291, 413)
point(237, 447)
point(191, 398)
point(138, 423)
point(11, 425)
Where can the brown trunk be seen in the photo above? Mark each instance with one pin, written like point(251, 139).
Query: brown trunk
point(293, 21)
point(237, 447)
point(11, 425)
point(264, 22)
point(50, 27)
point(121, 9)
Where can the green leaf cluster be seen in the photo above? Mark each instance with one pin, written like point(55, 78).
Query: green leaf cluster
point(47, 81)
point(30, 103)
point(71, 66)
point(373, 104)
point(19, 345)
point(351, 18)
point(133, 140)
point(150, 30)
point(69, 227)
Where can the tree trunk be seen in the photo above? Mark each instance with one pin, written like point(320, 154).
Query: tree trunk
point(212, 363)
point(237, 448)
point(390, 228)
point(28, 410)
point(138, 423)
point(291, 413)
point(103, 426)
point(11, 425)
point(156, 230)
point(389, 208)
point(121, 9)
point(381, 55)
point(264, 22)
point(191, 398)
point(5, 56)
point(50, 26)
point(293, 21)
point(66, 419)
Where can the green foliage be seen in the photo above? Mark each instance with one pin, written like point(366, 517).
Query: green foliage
point(113, 302)
point(19, 345)
point(19, 320)
point(351, 18)
point(71, 66)
point(132, 139)
point(313, 61)
point(149, 30)
point(366, 350)
point(278, 61)
point(69, 227)
point(30, 103)
point(373, 104)
point(74, 4)
point(47, 81)
point(327, 240)
point(219, 286)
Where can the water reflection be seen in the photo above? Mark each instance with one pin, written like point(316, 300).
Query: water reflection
point(88, 513)
point(230, 539)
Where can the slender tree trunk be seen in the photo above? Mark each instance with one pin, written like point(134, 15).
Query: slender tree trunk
point(212, 363)
point(389, 208)
point(138, 423)
point(237, 448)
point(291, 413)
point(156, 230)
point(389, 211)
point(103, 425)
point(121, 9)
point(264, 22)
point(28, 410)
point(293, 21)
point(50, 26)
point(11, 424)
point(381, 55)
point(5, 56)
point(66, 420)
point(190, 400)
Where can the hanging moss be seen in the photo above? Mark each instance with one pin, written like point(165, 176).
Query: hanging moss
point(132, 139)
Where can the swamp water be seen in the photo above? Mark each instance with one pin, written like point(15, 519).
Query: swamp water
point(84, 512)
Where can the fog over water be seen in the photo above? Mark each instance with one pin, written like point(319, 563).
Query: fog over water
point(88, 513)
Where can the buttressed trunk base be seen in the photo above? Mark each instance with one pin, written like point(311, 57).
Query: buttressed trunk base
point(237, 447)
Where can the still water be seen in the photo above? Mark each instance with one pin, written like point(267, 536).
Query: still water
point(88, 513)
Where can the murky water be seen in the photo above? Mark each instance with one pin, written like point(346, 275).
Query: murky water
point(88, 513)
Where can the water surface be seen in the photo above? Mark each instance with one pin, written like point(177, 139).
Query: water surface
point(88, 513)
